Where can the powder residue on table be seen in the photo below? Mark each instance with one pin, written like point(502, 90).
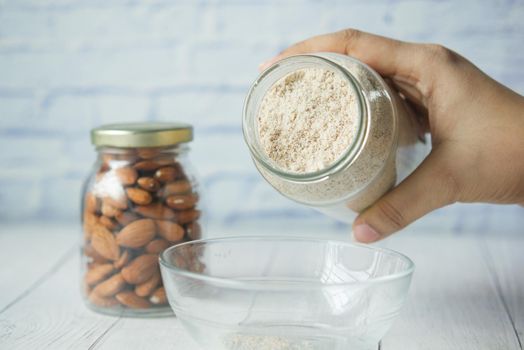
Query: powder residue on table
point(308, 119)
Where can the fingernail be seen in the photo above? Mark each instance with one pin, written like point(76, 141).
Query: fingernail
point(365, 233)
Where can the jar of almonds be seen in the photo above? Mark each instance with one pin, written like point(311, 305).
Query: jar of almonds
point(140, 199)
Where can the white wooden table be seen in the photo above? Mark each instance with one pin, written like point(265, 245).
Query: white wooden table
point(467, 293)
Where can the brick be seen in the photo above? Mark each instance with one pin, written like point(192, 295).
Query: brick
point(17, 111)
point(135, 68)
point(122, 26)
point(224, 63)
point(203, 109)
point(57, 206)
point(19, 198)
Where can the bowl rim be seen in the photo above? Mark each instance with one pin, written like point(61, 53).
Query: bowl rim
point(243, 284)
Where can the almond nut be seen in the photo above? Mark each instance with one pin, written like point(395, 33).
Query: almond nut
point(125, 218)
point(193, 230)
point(105, 243)
point(92, 255)
point(91, 203)
point(171, 231)
point(181, 201)
point(111, 286)
point(166, 174)
point(102, 301)
point(148, 184)
point(177, 187)
point(137, 234)
point(108, 222)
point(98, 273)
point(139, 196)
point(126, 175)
point(157, 246)
point(90, 222)
point(146, 288)
point(122, 260)
point(140, 269)
point(109, 210)
point(148, 153)
point(158, 297)
point(147, 165)
point(119, 202)
point(155, 211)
point(131, 300)
point(186, 216)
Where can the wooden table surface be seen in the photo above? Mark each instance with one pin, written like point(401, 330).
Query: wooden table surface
point(467, 293)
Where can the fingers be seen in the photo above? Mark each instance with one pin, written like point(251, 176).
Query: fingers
point(430, 187)
point(387, 56)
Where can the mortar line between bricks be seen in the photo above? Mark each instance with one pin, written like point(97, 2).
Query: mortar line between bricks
point(59, 263)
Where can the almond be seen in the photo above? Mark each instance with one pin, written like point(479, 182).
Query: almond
point(90, 222)
point(108, 222)
point(146, 288)
point(91, 203)
point(177, 187)
point(193, 230)
point(166, 174)
point(140, 269)
point(102, 301)
point(105, 243)
point(155, 211)
point(122, 260)
point(98, 273)
point(111, 286)
point(131, 300)
point(92, 255)
point(186, 216)
point(126, 175)
point(157, 246)
point(125, 218)
point(139, 196)
point(158, 297)
point(171, 231)
point(119, 202)
point(147, 165)
point(137, 234)
point(109, 210)
point(148, 153)
point(148, 184)
point(181, 201)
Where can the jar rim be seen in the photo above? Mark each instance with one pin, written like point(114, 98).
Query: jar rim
point(131, 135)
point(345, 159)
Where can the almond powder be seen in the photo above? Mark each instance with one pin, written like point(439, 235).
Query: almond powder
point(308, 119)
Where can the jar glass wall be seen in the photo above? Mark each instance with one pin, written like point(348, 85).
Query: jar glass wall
point(137, 202)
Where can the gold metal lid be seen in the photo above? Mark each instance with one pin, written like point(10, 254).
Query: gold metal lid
point(130, 135)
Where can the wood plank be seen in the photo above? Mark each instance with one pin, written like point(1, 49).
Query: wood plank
point(28, 252)
point(506, 257)
point(453, 301)
point(52, 315)
point(133, 333)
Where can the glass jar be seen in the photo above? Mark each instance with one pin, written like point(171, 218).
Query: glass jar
point(389, 142)
point(140, 198)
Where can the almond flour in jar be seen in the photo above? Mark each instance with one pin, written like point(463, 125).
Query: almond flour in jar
point(326, 130)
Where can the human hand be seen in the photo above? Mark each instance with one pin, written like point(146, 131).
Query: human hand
point(476, 126)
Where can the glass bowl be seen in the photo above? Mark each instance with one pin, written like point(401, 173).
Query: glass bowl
point(259, 293)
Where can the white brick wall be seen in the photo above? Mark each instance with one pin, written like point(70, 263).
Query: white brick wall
point(69, 65)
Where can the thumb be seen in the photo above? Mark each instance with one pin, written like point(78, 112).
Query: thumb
point(429, 187)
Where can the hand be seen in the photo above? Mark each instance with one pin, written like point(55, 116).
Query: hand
point(476, 125)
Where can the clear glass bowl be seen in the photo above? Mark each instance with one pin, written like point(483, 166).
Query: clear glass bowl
point(259, 293)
